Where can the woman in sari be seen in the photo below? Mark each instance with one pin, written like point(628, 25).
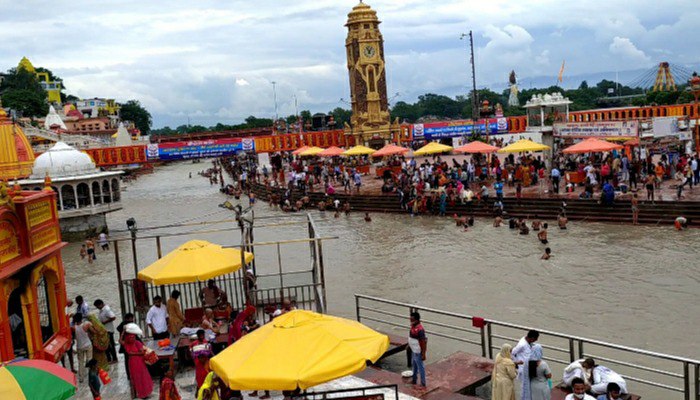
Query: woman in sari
point(140, 377)
point(503, 375)
point(201, 353)
point(100, 342)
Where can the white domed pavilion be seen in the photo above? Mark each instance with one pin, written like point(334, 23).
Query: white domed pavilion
point(85, 194)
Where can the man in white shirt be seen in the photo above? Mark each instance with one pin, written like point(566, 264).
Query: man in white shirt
point(107, 317)
point(157, 319)
point(521, 352)
point(579, 391)
point(590, 174)
point(604, 375)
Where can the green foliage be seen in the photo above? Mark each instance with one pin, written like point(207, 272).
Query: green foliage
point(28, 103)
point(133, 111)
point(21, 91)
point(341, 116)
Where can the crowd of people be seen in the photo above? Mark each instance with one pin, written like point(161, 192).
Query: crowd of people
point(524, 366)
point(432, 185)
point(96, 340)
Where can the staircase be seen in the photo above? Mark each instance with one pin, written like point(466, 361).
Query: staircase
point(77, 141)
point(663, 212)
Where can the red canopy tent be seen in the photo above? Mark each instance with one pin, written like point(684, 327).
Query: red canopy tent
point(592, 145)
point(331, 152)
point(389, 150)
point(476, 147)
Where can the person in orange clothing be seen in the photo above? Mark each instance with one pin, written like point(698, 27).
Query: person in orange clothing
point(659, 172)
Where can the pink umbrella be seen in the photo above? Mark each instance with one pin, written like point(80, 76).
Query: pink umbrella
point(389, 150)
point(476, 147)
point(592, 145)
point(331, 152)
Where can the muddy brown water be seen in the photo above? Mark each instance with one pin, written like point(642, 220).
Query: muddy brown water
point(636, 286)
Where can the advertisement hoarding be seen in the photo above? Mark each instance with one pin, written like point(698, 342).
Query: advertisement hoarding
point(450, 129)
point(199, 149)
point(597, 129)
point(665, 126)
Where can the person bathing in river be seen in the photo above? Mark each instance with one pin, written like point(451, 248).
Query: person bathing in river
point(368, 218)
point(497, 221)
point(524, 230)
point(459, 221)
point(542, 235)
point(562, 221)
point(547, 254)
point(536, 223)
point(681, 223)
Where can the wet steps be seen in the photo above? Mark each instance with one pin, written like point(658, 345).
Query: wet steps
point(662, 212)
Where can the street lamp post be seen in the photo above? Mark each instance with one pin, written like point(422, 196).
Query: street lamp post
point(131, 226)
point(274, 96)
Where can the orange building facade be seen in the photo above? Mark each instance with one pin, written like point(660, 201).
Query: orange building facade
point(33, 323)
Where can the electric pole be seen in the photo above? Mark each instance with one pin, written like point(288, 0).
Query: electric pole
point(475, 95)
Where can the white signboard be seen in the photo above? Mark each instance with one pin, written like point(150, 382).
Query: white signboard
point(597, 129)
point(665, 126)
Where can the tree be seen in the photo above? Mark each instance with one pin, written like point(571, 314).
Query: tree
point(340, 116)
point(133, 111)
point(27, 102)
point(21, 91)
point(583, 85)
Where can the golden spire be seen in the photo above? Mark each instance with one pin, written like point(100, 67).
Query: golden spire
point(47, 183)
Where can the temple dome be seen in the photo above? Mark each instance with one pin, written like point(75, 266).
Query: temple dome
point(53, 120)
point(61, 161)
point(16, 154)
point(362, 13)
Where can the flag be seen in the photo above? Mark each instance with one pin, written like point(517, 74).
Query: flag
point(560, 79)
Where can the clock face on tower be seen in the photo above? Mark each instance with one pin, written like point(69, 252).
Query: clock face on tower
point(369, 51)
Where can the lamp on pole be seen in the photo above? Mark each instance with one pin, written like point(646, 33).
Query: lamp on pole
point(475, 100)
point(274, 96)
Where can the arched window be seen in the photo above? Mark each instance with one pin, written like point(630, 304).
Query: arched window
point(96, 193)
point(106, 196)
point(83, 195)
point(115, 190)
point(68, 195)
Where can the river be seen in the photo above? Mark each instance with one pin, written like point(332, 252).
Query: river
point(636, 286)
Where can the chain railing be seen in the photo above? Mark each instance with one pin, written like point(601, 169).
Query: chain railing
point(664, 373)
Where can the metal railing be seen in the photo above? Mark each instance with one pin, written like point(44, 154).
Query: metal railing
point(306, 286)
point(664, 372)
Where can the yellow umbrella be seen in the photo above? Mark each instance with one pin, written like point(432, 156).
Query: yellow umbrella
point(523, 145)
point(432, 148)
point(196, 260)
point(359, 151)
point(299, 349)
point(311, 151)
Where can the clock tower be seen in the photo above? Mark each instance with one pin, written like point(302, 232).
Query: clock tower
point(365, 53)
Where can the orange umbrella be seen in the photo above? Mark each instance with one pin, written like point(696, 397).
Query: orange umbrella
point(390, 150)
point(592, 145)
point(331, 152)
point(300, 150)
point(476, 147)
point(633, 142)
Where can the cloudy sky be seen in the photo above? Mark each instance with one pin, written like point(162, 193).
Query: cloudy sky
point(213, 61)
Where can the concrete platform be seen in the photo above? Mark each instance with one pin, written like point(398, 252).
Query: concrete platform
point(460, 372)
